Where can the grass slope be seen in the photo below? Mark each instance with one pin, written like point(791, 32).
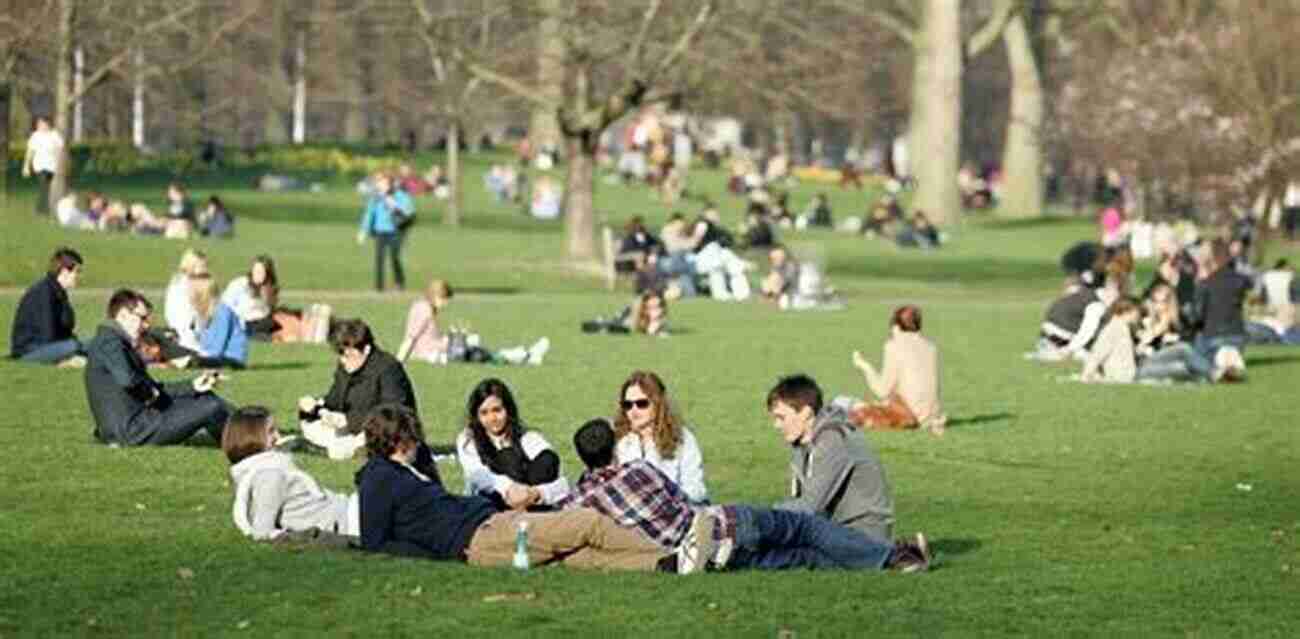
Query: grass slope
point(1059, 509)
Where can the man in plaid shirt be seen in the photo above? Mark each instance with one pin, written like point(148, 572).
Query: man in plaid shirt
point(638, 495)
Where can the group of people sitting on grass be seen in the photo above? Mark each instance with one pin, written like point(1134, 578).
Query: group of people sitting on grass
point(642, 503)
point(181, 220)
point(689, 258)
point(1188, 325)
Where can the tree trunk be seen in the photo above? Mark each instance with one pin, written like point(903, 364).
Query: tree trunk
point(1022, 159)
point(579, 208)
point(6, 94)
point(300, 89)
point(137, 101)
point(78, 89)
point(63, 94)
point(543, 128)
point(934, 132)
point(452, 218)
point(273, 127)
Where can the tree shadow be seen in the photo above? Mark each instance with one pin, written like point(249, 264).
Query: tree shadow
point(958, 546)
point(279, 366)
point(980, 419)
point(489, 290)
point(1271, 360)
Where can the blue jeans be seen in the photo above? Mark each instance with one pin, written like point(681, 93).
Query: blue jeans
point(1208, 347)
point(1177, 361)
point(389, 244)
point(678, 265)
point(53, 353)
point(770, 539)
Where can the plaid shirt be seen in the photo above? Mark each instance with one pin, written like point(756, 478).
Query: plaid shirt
point(638, 495)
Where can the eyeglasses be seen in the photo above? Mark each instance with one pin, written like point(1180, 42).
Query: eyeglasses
point(642, 403)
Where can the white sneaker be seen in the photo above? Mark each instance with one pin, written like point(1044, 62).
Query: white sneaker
point(516, 355)
point(537, 352)
point(698, 546)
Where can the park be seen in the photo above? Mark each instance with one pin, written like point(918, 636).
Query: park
point(1052, 507)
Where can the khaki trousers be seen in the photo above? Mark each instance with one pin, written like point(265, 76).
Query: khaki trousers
point(581, 538)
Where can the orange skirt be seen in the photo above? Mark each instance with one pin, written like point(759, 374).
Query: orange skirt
point(891, 414)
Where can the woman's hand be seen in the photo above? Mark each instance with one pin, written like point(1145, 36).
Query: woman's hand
point(860, 362)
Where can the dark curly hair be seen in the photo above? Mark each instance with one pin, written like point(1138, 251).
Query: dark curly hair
point(389, 427)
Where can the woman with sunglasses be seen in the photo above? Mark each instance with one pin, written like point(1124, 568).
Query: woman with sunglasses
point(648, 428)
point(501, 458)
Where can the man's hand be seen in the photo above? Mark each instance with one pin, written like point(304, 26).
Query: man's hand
point(861, 362)
point(206, 382)
point(307, 404)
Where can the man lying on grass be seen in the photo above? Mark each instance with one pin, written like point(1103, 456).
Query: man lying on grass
point(406, 512)
point(640, 497)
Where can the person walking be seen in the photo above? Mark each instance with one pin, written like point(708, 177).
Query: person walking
point(44, 150)
point(389, 212)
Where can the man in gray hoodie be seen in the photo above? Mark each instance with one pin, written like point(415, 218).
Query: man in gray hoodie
point(834, 472)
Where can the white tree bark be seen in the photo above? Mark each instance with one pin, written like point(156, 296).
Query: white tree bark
point(137, 102)
point(79, 90)
point(1022, 157)
point(300, 90)
point(934, 129)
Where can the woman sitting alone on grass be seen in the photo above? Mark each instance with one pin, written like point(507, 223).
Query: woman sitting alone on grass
point(907, 387)
point(177, 307)
point(223, 339)
point(501, 458)
point(425, 340)
point(272, 495)
point(648, 428)
point(254, 296)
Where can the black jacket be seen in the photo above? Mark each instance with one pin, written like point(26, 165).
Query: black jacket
point(402, 514)
point(1219, 300)
point(44, 316)
point(381, 380)
point(119, 389)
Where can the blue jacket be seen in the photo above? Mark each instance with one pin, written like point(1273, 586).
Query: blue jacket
point(225, 336)
point(402, 514)
point(378, 216)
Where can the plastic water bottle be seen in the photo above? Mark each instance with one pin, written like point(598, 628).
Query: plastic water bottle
point(521, 547)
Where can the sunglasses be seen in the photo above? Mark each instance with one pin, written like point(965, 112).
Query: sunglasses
point(639, 403)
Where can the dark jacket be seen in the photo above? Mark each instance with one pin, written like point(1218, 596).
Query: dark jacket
point(381, 380)
point(1067, 312)
point(44, 316)
point(402, 514)
point(119, 389)
point(1219, 300)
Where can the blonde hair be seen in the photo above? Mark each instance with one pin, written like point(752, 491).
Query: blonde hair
point(193, 263)
point(438, 289)
point(203, 296)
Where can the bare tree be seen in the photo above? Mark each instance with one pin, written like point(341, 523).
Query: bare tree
point(21, 27)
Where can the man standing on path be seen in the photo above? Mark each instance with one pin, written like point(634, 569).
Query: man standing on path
point(44, 150)
point(388, 214)
point(130, 408)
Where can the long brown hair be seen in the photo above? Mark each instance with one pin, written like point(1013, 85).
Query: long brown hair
point(641, 312)
point(667, 426)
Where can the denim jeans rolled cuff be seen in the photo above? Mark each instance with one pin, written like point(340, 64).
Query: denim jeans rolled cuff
point(54, 352)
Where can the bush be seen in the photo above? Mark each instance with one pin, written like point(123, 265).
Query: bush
point(117, 158)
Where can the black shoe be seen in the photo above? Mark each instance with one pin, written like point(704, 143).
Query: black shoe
point(668, 563)
point(910, 556)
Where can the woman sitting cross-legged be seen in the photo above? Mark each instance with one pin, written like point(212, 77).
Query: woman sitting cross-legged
point(907, 387)
point(648, 428)
point(503, 460)
point(426, 340)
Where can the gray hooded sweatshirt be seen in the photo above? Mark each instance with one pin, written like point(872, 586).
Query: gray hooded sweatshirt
point(273, 495)
point(838, 475)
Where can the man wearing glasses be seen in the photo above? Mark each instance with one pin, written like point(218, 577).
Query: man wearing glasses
point(131, 408)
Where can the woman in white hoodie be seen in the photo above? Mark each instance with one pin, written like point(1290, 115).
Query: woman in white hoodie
point(272, 495)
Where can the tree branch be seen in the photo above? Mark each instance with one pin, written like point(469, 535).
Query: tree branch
point(894, 24)
point(992, 29)
point(684, 42)
point(638, 43)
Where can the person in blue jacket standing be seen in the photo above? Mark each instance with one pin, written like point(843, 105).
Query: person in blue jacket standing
point(389, 211)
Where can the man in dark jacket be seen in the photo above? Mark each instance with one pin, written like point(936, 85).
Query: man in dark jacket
point(365, 378)
point(130, 408)
point(44, 323)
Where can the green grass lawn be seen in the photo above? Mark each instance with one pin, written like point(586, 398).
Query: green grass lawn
point(1058, 509)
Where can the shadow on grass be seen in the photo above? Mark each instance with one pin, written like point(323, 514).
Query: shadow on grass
point(958, 546)
point(980, 419)
point(280, 366)
point(1032, 222)
point(929, 267)
point(490, 290)
point(1271, 360)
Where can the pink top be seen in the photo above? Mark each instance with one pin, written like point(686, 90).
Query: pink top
point(1111, 220)
point(422, 330)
